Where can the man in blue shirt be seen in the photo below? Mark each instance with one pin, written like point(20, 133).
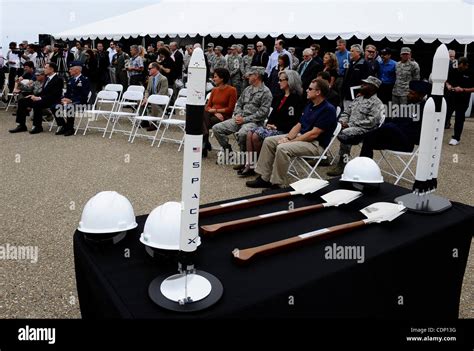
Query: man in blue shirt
point(315, 129)
point(387, 74)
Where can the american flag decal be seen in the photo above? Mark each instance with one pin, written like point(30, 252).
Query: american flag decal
point(196, 149)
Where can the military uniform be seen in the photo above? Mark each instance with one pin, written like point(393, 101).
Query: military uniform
point(405, 72)
point(234, 65)
point(219, 62)
point(77, 91)
point(362, 115)
point(247, 63)
point(254, 105)
point(119, 63)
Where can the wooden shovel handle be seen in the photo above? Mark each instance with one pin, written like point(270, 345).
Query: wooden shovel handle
point(237, 205)
point(246, 255)
point(212, 229)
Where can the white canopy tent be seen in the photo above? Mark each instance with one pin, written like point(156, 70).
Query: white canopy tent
point(409, 20)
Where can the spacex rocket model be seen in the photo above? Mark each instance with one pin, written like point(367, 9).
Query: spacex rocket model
point(431, 139)
point(432, 129)
point(190, 289)
point(191, 185)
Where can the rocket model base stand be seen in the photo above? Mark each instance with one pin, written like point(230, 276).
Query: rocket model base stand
point(427, 204)
point(188, 291)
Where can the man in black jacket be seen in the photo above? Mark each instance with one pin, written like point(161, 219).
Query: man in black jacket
point(358, 69)
point(103, 64)
point(50, 96)
point(308, 68)
point(178, 58)
point(260, 58)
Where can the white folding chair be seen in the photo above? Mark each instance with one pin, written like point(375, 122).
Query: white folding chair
point(180, 106)
point(118, 88)
point(12, 100)
point(208, 96)
point(160, 100)
point(104, 98)
point(183, 92)
point(132, 104)
point(4, 89)
point(116, 116)
point(405, 158)
point(170, 92)
point(303, 162)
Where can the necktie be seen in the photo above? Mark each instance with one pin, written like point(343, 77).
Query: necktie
point(46, 82)
point(304, 67)
point(154, 85)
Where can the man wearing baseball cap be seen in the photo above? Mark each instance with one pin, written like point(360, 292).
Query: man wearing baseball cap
point(387, 74)
point(363, 114)
point(406, 71)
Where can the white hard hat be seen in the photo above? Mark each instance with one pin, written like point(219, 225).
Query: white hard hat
point(107, 212)
point(162, 227)
point(362, 170)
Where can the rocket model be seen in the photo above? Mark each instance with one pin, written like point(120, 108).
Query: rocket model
point(434, 115)
point(192, 152)
point(431, 139)
point(190, 289)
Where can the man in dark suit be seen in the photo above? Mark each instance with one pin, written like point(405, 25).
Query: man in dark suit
point(50, 96)
point(308, 68)
point(78, 89)
point(178, 58)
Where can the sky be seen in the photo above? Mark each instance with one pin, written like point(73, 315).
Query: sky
point(25, 19)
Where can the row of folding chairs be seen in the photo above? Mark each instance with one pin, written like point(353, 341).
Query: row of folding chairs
point(400, 163)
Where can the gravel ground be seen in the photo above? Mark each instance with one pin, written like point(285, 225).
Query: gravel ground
point(47, 179)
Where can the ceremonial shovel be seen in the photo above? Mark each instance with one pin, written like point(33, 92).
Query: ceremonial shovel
point(333, 199)
point(301, 187)
point(375, 213)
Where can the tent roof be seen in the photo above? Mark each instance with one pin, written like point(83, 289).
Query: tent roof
point(428, 20)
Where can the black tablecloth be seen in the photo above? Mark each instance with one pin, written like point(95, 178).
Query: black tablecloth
point(413, 267)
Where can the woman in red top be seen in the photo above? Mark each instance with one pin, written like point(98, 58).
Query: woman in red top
point(220, 106)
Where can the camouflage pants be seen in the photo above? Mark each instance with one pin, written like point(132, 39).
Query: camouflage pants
point(224, 129)
point(348, 137)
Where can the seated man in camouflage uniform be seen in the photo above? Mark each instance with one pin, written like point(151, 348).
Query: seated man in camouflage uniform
point(251, 110)
point(363, 115)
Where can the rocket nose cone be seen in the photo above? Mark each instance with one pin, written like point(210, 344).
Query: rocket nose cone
point(440, 64)
point(197, 58)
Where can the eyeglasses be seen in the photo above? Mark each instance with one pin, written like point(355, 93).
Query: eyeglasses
point(370, 51)
point(282, 79)
point(315, 89)
point(259, 46)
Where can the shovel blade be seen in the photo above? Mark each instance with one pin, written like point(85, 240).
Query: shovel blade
point(309, 185)
point(383, 211)
point(340, 197)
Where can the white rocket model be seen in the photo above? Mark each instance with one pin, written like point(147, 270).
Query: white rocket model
point(190, 289)
point(429, 153)
point(191, 185)
point(432, 130)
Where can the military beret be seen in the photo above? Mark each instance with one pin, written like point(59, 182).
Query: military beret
point(75, 64)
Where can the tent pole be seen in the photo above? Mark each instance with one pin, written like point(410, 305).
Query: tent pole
point(93, 43)
point(143, 42)
point(362, 44)
point(465, 50)
point(203, 40)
